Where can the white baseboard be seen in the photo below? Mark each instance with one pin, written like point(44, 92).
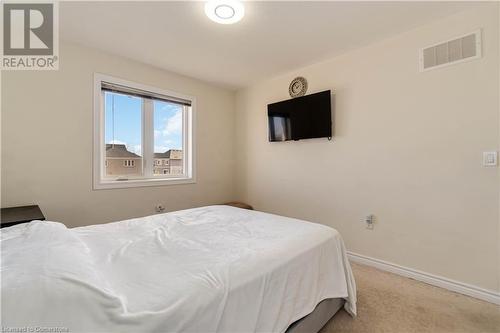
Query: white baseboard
point(438, 281)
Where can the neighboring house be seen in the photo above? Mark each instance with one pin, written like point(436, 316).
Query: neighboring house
point(169, 162)
point(120, 161)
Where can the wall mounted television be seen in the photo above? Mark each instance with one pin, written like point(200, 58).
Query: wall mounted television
point(299, 118)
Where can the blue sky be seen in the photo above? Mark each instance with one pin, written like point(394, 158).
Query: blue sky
point(127, 123)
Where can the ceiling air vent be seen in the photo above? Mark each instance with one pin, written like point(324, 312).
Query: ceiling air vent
point(451, 52)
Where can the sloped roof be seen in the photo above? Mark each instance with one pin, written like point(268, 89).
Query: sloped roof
point(119, 150)
point(174, 154)
point(162, 155)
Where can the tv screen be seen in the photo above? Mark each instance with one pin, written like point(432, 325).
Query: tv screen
point(303, 117)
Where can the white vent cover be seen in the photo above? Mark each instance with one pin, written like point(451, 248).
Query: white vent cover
point(454, 51)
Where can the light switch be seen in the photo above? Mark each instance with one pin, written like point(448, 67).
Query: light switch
point(490, 158)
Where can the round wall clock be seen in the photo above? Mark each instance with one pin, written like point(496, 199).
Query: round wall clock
point(298, 87)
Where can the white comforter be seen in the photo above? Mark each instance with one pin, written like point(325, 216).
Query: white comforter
point(209, 269)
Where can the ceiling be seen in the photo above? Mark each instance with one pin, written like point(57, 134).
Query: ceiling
point(272, 38)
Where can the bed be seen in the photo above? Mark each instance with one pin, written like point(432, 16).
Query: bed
point(207, 269)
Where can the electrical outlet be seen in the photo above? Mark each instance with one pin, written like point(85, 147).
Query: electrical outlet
point(159, 208)
point(490, 158)
point(369, 220)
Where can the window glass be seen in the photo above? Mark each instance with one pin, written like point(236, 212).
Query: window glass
point(123, 135)
point(168, 138)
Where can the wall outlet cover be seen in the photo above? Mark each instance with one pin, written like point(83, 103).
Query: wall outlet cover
point(159, 208)
point(490, 158)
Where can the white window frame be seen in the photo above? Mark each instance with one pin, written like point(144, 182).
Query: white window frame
point(148, 178)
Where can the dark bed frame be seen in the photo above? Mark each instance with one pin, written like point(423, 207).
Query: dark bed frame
point(314, 321)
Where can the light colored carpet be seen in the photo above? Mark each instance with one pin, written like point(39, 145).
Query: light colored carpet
point(391, 303)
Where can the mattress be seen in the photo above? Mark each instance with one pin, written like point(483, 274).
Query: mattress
point(208, 269)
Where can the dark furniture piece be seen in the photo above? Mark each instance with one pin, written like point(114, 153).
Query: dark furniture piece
point(239, 205)
point(314, 321)
point(16, 215)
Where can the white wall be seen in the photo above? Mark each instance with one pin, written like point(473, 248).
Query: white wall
point(407, 148)
point(47, 141)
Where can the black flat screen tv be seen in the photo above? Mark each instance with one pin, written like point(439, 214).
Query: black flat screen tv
point(299, 118)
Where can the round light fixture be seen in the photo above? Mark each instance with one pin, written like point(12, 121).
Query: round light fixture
point(224, 11)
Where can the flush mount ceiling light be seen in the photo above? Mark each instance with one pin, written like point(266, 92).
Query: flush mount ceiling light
point(224, 11)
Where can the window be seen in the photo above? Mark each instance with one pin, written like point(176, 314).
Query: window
point(136, 130)
point(127, 163)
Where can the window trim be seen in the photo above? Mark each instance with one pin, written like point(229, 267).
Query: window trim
point(189, 152)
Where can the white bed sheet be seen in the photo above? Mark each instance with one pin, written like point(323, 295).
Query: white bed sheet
point(208, 269)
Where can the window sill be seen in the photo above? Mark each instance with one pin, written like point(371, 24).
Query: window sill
point(113, 184)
